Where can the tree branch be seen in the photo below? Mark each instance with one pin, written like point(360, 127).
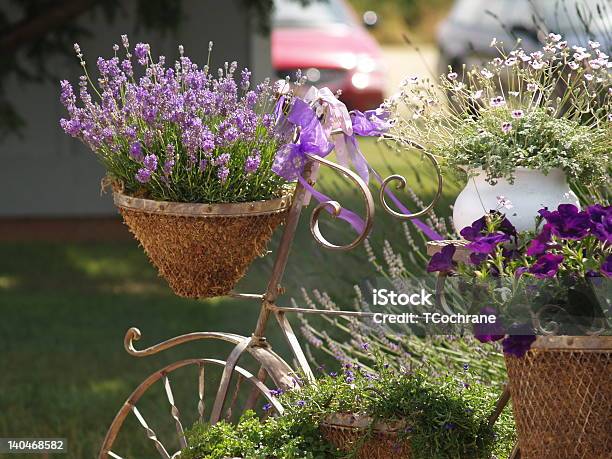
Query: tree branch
point(31, 29)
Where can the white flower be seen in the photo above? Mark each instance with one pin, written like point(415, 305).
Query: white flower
point(574, 65)
point(514, 93)
point(595, 64)
point(493, 42)
point(579, 49)
point(554, 37)
point(477, 95)
point(506, 127)
point(517, 114)
point(282, 87)
point(588, 77)
point(580, 56)
point(532, 87)
point(538, 55)
point(487, 74)
point(537, 65)
point(498, 101)
point(562, 45)
point(511, 61)
point(594, 44)
point(497, 61)
point(410, 80)
point(452, 76)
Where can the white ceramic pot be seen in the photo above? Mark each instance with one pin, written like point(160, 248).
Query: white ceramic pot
point(530, 192)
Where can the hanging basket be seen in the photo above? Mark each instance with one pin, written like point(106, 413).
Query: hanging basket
point(202, 250)
point(351, 433)
point(561, 394)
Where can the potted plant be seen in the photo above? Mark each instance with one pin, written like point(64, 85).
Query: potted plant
point(554, 283)
point(189, 153)
point(369, 413)
point(521, 127)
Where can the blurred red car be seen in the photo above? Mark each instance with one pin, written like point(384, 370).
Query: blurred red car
point(331, 46)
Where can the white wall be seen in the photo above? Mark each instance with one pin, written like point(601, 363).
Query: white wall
point(46, 172)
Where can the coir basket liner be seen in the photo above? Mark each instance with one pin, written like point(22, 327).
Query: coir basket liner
point(351, 433)
point(561, 393)
point(202, 250)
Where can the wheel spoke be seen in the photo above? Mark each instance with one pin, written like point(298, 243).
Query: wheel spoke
point(174, 411)
point(201, 406)
point(151, 434)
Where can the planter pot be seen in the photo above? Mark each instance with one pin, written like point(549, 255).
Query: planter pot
point(202, 250)
point(561, 394)
point(531, 191)
point(353, 433)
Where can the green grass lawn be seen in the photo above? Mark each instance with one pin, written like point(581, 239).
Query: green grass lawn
point(64, 309)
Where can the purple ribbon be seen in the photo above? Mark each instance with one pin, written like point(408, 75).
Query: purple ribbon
point(290, 160)
point(375, 123)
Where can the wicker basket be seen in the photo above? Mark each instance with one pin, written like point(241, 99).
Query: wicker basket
point(562, 398)
point(202, 250)
point(352, 433)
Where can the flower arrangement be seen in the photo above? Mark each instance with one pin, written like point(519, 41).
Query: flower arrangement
point(555, 272)
point(177, 133)
point(544, 110)
point(440, 417)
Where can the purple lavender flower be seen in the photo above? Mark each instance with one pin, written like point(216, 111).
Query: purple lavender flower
point(487, 333)
point(245, 80)
point(519, 340)
point(606, 267)
point(546, 266)
point(301, 403)
point(223, 173)
point(267, 407)
point(252, 163)
point(150, 162)
point(601, 222)
point(202, 165)
point(567, 222)
point(142, 53)
point(443, 260)
point(136, 151)
point(144, 175)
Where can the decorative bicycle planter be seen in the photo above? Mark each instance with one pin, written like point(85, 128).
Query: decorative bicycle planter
point(271, 366)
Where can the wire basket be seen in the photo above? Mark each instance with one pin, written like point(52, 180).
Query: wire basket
point(561, 394)
point(350, 433)
point(202, 250)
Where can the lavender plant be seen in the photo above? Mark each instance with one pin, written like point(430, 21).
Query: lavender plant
point(343, 338)
point(176, 133)
point(543, 110)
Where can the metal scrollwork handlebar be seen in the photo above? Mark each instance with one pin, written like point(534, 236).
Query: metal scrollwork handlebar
point(407, 144)
point(336, 208)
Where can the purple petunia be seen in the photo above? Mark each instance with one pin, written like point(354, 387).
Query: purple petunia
point(546, 266)
point(443, 260)
point(470, 233)
point(606, 267)
point(519, 340)
point(601, 222)
point(487, 244)
point(567, 222)
point(539, 245)
point(487, 333)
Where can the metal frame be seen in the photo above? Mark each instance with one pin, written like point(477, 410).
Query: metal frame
point(282, 375)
